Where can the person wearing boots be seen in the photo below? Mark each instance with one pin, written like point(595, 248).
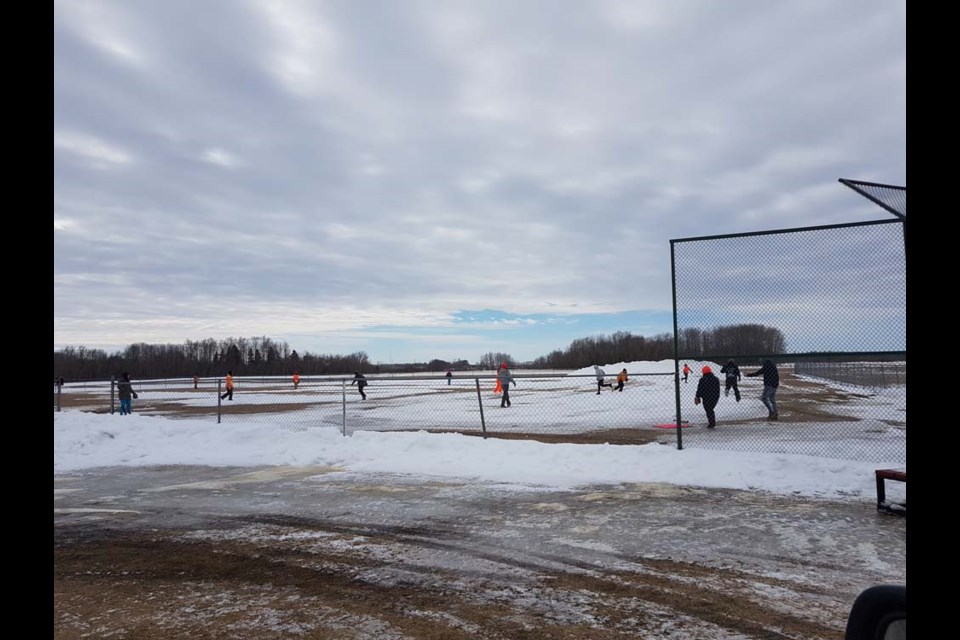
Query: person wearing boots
point(732, 372)
point(361, 381)
point(504, 378)
point(125, 392)
point(228, 394)
point(708, 394)
point(771, 381)
point(600, 383)
point(621, 378)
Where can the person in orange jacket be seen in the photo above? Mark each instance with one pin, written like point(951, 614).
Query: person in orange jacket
point(621, 378)
point(296, 379)
point(686, 371)
point(228, 394)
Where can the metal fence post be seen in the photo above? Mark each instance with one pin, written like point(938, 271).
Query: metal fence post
point(343, 391)
point(59, 388)
point(483, 423)
point(219, 399)
point(113, 388)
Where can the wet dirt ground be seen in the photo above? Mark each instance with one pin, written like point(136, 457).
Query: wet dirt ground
point(309, 552)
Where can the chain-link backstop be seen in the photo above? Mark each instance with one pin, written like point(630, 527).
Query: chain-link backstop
point(821, 303)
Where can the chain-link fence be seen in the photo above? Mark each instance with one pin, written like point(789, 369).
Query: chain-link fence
point(819, 417)
point(871, 375)
point(553, 406)
point(827, 307)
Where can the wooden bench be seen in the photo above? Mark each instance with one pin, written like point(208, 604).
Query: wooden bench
point(883, 475)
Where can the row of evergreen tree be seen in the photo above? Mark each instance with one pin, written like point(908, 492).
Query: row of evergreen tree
point(266, 357)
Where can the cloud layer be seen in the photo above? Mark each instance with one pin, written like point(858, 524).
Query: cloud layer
point(323, 172)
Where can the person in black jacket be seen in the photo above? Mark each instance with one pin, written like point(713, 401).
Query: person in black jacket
point(708, 394)
point(771, 380)
point(125, 392)
point(732, 373)
point(361, 382)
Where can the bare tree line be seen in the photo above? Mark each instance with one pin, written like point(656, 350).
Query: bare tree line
point(204, 358)
point(263, 356)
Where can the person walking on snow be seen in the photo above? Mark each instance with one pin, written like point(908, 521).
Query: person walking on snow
point(125, 392)
point(621, 378)
point(449, 376)
point(708, 394)
point(361, 382)
point(600, 383)
point(228, 394)
point(732, 372)
point(771, 380)
point(686, 371)
point(504, 379)
point(296, 379)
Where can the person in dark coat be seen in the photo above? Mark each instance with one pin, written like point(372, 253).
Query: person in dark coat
point(771, 381)
point(708, 394)
point(125, 392)
point(732, 373)
point(361, 382)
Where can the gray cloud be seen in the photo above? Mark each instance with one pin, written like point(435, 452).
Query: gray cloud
point(243, 168)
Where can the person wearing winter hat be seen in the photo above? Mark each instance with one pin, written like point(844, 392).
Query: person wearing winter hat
point(504, 378)
point(708, 394)
point(732, 373)
point(361, 381)
point(125, 392)
point(621, 378)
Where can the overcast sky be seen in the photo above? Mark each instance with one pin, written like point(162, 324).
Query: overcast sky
point(428, 179)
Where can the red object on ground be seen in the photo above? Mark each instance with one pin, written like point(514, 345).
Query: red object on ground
point(671, 425)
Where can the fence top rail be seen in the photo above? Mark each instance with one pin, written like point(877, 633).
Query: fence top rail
point(337, 378)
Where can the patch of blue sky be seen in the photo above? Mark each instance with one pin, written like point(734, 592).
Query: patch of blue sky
point(524, 337)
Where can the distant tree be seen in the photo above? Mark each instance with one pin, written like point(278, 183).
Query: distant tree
point(438, 365)
point(492, 360)
point(233, 358)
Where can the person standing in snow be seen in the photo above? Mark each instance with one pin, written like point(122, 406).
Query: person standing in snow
point(771, 381)
point(600, 383)
point(708, 394)
point(296, 379)
point(732, 373)
point(504, 378)
point(125, 392)
point(686, 371)
point(449, 376)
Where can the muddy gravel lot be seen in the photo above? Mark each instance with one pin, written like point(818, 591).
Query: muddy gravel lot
point(308, 552)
